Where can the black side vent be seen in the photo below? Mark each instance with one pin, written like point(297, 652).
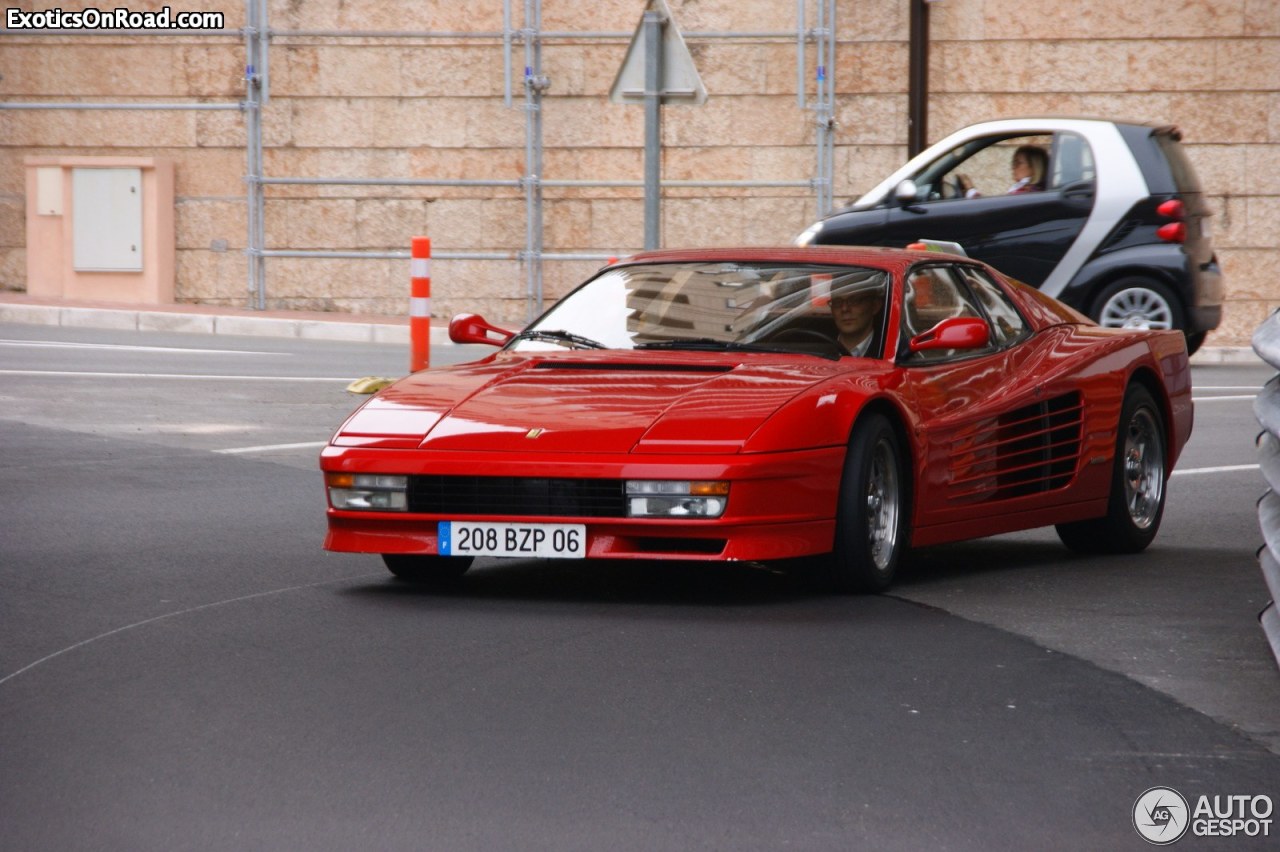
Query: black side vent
point(1027, 451)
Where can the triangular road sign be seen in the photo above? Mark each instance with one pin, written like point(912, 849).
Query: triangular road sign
point(681, 84)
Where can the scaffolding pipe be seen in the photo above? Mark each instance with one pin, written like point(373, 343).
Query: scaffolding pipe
point(81, 105)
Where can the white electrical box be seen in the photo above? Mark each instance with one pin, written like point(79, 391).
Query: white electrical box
point(49, 191)
point(106, 220)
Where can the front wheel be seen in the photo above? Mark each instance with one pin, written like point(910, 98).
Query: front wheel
point(873, 509)
point(418, 568)
point(1138, 479)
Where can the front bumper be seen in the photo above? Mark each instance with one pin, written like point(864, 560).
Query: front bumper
point(780, 505)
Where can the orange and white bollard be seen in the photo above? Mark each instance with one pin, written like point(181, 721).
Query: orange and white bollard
point(420, 304)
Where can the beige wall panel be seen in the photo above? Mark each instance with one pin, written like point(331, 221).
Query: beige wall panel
point(623, 163)
point(218, 278)
point(872, 119)
point(873, 67)
point(387, 15)
point(334, 70)
point(13, 268)
point(328, 223)
point(1248, 274)
point(1240, 319)
point(462, 224)
point(874, 20)
point(1248, 64)
point(89, 71)
point(458, 71)
point(1221, 168)
point(617, 223)
point(99, 128)
point(1012, 19)
point(378, 122)
point(220, 129)
point(207, 171)
point(568, 224)
point(390, 223)
point(201, 221)
point(766, 120)
point(1262, 18)
point(1262, 169)
point(13, 222)
point(1229, 224)
point(210, 71)
point(859, 168)
point(591, 122)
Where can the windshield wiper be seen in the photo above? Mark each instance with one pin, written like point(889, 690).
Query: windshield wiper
point(709, 344)
point(560, 336)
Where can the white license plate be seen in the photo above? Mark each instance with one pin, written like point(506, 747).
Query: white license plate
point(546, 541)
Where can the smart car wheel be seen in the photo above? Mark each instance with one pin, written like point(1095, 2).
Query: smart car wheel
point(426, 569)
point(872, 513)
point(1138, 481)
point(1137, 303)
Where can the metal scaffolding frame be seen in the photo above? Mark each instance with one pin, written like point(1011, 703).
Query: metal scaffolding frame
point(257, 35)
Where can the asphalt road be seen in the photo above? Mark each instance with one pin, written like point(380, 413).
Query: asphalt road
point(182, 666)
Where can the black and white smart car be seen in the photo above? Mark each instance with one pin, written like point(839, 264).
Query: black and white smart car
point(1114, 224)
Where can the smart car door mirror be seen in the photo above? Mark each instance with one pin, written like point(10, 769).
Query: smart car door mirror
point(953, 333)
point(473, 328)
point(906, 192)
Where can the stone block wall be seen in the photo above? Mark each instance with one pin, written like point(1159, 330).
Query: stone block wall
point(346, 103)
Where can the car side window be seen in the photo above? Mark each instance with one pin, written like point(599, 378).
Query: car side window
point(989, 168)
point(933, 294)
point(1007, 325)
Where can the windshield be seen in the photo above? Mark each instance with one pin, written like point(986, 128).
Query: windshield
point(712, 305)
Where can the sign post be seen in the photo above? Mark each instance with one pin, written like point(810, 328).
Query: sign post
point(658, 69)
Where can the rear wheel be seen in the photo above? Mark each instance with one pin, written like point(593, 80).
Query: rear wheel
point(871, 516)
point(418, 568)
point(1137, 303)
point(1138, 479)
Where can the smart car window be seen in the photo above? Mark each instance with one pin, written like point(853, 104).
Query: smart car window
point(1071, 160)
point(986, 171)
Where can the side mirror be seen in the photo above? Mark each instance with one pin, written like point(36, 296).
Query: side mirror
point(473, 328)
point(906, 192)
point(953, 333)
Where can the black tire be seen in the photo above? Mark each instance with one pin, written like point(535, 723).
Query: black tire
point(417, 568)
point(1139, 480)
point(873, 510)
point(1195, 341)
point(1136, 302)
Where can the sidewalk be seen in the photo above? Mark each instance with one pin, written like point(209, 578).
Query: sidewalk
point(18, 307)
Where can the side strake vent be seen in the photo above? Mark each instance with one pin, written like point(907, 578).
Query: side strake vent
point(1027, 451)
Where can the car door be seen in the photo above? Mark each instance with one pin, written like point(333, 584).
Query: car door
point(1023, 234)
point(991, 440)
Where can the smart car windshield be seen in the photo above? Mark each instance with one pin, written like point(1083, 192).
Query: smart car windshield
point(717, 306)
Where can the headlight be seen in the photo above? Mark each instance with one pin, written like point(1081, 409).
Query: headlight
point(661, 498)
point(808, 234)
point(373, 492)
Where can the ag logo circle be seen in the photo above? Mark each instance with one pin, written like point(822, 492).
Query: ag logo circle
point(1161, 816)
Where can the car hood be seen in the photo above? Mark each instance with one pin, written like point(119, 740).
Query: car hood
point(587, 402)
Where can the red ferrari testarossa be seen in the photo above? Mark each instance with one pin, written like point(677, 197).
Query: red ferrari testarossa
point(837, 404)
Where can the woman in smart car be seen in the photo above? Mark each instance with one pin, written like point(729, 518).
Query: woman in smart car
point(1030, 164)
